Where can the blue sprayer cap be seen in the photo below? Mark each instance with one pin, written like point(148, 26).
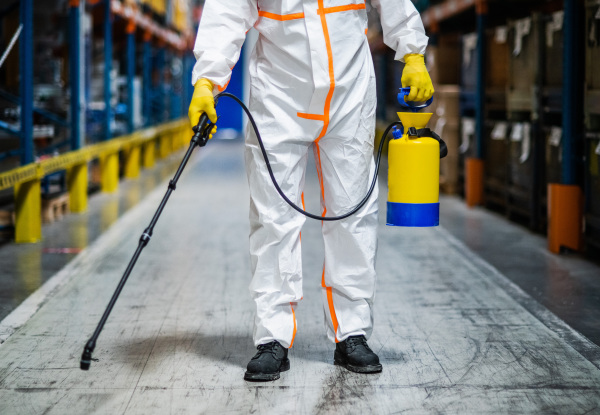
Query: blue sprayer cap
point(397, 132)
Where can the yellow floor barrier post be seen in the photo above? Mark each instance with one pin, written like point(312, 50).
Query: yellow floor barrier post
point(184, 136)
point(161, 146)
point(164, 145)
point(109, 172)
point(132, 162)
point(77, 183)
point(174, 140)
point(177, 139)
point(28, 212)
point(148, 155)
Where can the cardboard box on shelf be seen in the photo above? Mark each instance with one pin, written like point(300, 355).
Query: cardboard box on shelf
point(446, 104)
point(497, 58)
point(444, 60)
point(592, 76)
point(524, 42)
point(449, 165)
point(7, 218)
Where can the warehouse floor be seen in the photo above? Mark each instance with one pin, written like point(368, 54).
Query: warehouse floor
point(455, 334)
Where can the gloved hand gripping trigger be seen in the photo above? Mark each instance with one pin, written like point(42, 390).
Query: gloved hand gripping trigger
point(202, 131)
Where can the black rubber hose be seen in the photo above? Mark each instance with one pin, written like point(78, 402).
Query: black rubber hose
point(289, 202)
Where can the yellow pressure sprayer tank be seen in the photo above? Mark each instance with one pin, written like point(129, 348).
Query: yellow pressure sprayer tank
point(414, 170)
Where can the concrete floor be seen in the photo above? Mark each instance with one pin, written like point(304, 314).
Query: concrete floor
point(25, 267)
point(455, 335)
point(568, 285)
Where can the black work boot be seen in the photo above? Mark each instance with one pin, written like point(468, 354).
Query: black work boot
point(354, 354)
point(270, 359)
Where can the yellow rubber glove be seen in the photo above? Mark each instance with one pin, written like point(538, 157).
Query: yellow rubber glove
point(416, 77)
point(203, 101)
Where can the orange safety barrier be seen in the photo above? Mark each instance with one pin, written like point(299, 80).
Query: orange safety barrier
point(474, 181)
point(565, 217)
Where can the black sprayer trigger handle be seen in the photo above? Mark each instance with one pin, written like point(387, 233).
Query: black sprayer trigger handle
point(202, 130)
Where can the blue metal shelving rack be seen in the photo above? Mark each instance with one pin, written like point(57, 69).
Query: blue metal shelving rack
point(25, 98)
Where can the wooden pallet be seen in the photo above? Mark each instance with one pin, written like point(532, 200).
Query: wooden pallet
point(55, 208)
point(7, 218)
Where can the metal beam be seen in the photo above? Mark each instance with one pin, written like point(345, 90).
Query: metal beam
point(9, 154)
point(161, 94)
point(130, 74)
point(44, 113)
point(107, 68)
point(75, 72)
point(147, 81)
point(26, 83)
point(9, 128)
point(573, 86)
point(480, 91)
point(186, 79)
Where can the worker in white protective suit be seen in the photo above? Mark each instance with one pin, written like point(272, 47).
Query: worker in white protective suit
point(312, 86)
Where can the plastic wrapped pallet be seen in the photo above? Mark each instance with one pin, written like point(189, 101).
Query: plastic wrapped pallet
point(593, 45)
point(469, 58)
point(496, 68)
point(496, 63)
point(497, 57)
point(496, 163)
point(446, 104)
point(522, 191)
point(443, 60)
point(592, 231)
point(554, 39)
point(524, 41)
point(553, 156)
point(592, 116)
point(592, 77)
point(449, 131)
point(553, 66)
point(445, 122)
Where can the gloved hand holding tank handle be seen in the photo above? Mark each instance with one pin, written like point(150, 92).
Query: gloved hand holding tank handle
point(203, 102)
point(416, 77)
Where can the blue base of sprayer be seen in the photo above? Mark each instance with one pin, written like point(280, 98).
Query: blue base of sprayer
point(418, 215)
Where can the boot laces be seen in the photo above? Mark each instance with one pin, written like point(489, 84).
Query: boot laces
point(355, 341)
point(267, 348)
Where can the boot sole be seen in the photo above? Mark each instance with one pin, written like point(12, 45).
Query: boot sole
point(266, 377)
point(338, 361)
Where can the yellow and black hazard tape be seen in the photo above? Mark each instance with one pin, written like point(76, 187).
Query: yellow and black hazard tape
point(67, 160)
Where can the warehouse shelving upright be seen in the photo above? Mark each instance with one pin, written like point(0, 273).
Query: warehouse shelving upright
point(592, 124)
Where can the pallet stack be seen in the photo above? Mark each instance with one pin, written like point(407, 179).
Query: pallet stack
point(55, 207)
point(445, 73)
point(592, 124)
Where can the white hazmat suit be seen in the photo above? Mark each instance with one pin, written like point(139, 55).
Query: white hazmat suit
point(312, 85)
